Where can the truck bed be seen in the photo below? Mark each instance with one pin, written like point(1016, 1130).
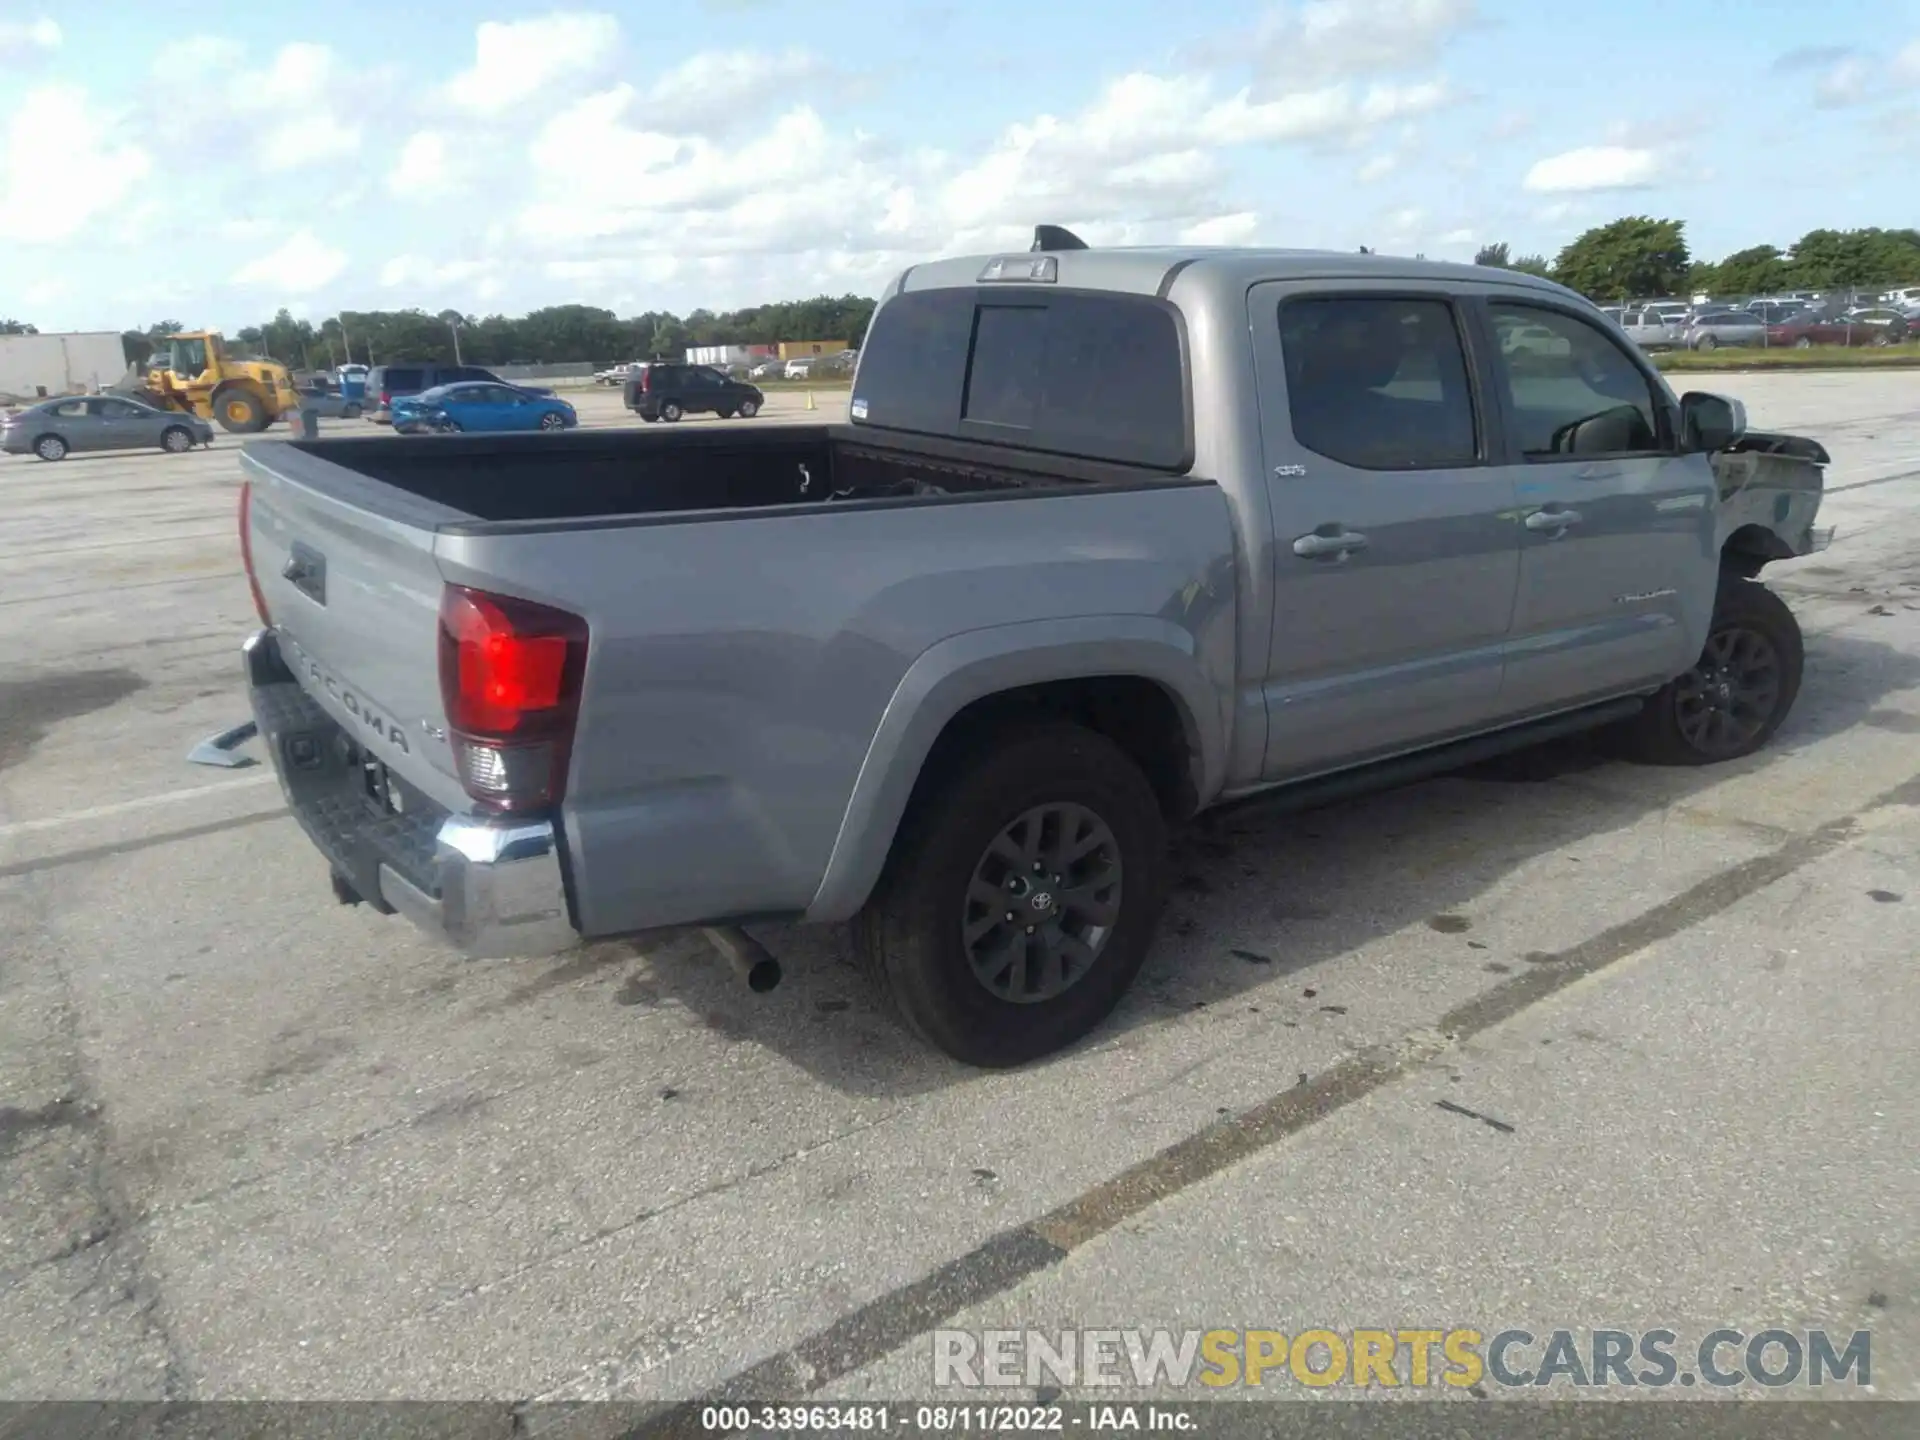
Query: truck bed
point(756, 598)
point(460, 481)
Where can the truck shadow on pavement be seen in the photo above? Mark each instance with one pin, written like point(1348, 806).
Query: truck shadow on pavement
point(1261, 897)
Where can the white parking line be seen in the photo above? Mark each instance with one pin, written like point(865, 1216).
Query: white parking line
point(145, 802)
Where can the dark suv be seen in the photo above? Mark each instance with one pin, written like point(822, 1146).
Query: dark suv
point(388, 383)
point(666, 391)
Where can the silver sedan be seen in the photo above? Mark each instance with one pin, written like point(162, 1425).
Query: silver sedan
point(54, 428)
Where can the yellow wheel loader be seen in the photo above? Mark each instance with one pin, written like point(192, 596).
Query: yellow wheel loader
point(192, 372)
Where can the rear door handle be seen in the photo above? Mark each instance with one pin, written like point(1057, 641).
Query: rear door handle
point(1554, 520)
point(1598, 472)
point(1321, 543)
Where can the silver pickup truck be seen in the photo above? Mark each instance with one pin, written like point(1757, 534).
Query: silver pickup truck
point(1111, 537)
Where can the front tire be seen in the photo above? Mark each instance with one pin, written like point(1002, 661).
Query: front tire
point(1735, 697)
point(1707, 342)
point(1054, 825)
point(553, 420)
point(240, 411)
point(50, 447)
point(749, 409)
point(176, 439)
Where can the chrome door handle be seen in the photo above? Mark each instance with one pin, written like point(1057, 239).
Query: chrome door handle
point(1554, 520)
point(1320, 544)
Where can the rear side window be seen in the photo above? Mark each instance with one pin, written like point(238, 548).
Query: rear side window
point(1090, 374)
point(401, 378)
point(1379, 383)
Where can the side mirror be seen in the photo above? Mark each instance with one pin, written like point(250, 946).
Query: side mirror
point(1709, 422)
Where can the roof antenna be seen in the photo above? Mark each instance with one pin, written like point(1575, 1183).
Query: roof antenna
point(1054, 237)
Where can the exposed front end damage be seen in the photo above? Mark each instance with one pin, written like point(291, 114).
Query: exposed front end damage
point(1770, 491)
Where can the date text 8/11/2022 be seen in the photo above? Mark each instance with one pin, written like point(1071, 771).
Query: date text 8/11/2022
point(919, 1419)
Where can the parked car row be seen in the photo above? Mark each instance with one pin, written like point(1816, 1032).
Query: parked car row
point(1769, 323)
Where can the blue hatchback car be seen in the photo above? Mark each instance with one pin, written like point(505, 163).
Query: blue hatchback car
point(480, 406)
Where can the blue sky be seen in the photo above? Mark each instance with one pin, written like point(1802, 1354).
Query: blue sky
point(362, 156)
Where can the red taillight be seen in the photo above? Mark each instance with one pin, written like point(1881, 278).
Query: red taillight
point(510, 676)
point(246, 551)
point(386, 397)
point(646, 381)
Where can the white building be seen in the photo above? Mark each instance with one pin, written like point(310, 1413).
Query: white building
point(36, 365)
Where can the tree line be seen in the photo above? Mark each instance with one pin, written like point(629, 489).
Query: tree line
point(1636, 255)
point(558, 334)
point(1639, 256)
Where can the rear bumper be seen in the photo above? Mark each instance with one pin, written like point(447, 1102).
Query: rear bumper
point(492, 887)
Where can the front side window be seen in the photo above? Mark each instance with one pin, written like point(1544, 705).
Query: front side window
point(1571, 389)
point(1379, 382)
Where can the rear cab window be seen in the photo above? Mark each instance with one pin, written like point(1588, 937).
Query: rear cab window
point(1099, 375)
point(1570, 388)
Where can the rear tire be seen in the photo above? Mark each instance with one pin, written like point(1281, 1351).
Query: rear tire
point(914, 934)
point(671, 412)
point(1737, 694)
point(176, 439)
point(50, 447)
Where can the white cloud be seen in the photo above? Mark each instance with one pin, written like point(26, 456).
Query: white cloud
point(195, 58)
point(97, 171)
point(416, 272)
point(515, 60)
point(1595, 167)
point(299, 75)
point(246, 228)
point(1328, 39)
point(1377, 167)
point(1145, 162)
point(421, 169)
point(24, 36)
point(302, 265)
point(1235, 229)
point(718, 88)
point(1462, 236)
point(296, 144)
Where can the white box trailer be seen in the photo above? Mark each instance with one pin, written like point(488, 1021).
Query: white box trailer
point(60, 364)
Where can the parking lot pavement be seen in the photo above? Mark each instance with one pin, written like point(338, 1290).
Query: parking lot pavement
point(255, 1144)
